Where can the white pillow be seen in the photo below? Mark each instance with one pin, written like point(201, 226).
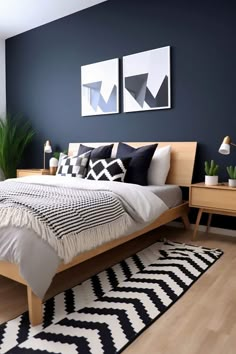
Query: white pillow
point(159, 167)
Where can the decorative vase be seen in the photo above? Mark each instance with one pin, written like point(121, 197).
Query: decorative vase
point(53, 164)
point(211, 180)
point(232, 182)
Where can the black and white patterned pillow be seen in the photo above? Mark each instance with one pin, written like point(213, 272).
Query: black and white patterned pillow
point(111, 169)
point(73, 166)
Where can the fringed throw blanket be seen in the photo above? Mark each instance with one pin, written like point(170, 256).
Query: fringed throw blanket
point(60, 214)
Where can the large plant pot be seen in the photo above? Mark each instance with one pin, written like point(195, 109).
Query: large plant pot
point(232, 183)
point(211, 180)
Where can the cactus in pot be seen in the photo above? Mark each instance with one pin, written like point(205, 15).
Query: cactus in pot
point(232, 174)
point(55, 161)
point(231, 171)
point(211, 170)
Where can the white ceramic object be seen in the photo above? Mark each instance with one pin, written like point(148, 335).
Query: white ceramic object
point(211, 180)
point(232, 182)
point(53, 162)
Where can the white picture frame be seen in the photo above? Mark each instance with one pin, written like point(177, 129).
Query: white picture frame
point(146, 80)
point(100, 88)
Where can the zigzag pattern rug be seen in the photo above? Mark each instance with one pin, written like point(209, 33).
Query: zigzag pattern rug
point(104, 314)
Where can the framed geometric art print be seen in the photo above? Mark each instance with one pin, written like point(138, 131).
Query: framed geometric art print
point(146, 80)
point(100, 88)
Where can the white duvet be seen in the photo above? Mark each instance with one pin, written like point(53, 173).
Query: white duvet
point(38, 261)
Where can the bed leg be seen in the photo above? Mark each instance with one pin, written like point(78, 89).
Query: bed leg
point(35, 306)
point(185, 221)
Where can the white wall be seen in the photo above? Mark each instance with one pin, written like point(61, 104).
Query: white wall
point(2, 78)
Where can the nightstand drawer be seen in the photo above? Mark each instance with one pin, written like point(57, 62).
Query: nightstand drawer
point(213, 198)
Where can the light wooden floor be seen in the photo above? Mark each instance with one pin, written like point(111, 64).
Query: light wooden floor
point(203, 321)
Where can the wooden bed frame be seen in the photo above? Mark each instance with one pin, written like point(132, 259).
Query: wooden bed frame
point(182, 163)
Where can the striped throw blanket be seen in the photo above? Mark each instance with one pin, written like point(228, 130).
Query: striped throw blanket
point(60, 214)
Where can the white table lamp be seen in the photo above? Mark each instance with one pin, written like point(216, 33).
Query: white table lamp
point(225, 146)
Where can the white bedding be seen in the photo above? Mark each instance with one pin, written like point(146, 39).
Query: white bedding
point(170, 194)
point(38, 261)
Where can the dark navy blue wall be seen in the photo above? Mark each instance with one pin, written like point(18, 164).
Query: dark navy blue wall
point(43, 75)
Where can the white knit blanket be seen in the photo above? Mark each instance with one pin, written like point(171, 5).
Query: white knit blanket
point(59, 214)
point(75, 215)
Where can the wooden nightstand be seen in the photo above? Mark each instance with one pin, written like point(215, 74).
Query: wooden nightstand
point(31, 172)
point(219, 199)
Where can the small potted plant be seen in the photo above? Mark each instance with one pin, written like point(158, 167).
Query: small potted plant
point(232, 174)
point(211, 170)
point(54, 161)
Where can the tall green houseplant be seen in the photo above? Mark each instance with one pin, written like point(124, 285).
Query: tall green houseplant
point(15, 135)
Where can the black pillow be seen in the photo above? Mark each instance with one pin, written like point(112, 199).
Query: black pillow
point(139, 164)
point(101, 152)
point(108, 169)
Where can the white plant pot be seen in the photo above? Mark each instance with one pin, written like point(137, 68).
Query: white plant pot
point(53, 162)
point(211, 180)
point(232, 182)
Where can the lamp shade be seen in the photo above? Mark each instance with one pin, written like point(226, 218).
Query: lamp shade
point(225, 146)
point(47, 147)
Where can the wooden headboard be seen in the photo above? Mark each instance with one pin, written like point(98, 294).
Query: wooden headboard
point(182, 158)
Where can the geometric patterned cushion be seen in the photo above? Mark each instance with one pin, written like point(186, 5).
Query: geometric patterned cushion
point(73, 166)
point(111, 169)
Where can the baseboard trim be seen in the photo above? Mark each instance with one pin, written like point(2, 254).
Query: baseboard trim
point(213, 230)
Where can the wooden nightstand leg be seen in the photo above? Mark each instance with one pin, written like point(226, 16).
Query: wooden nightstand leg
point(199, 215)
point(208, 222)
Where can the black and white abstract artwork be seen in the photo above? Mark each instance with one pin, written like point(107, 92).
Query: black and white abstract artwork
point(99, 88)
point(146, 80)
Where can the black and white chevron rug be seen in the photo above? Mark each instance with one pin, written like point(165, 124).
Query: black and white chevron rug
point(104, 314)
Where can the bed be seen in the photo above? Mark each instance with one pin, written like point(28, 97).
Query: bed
point(180, 174)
